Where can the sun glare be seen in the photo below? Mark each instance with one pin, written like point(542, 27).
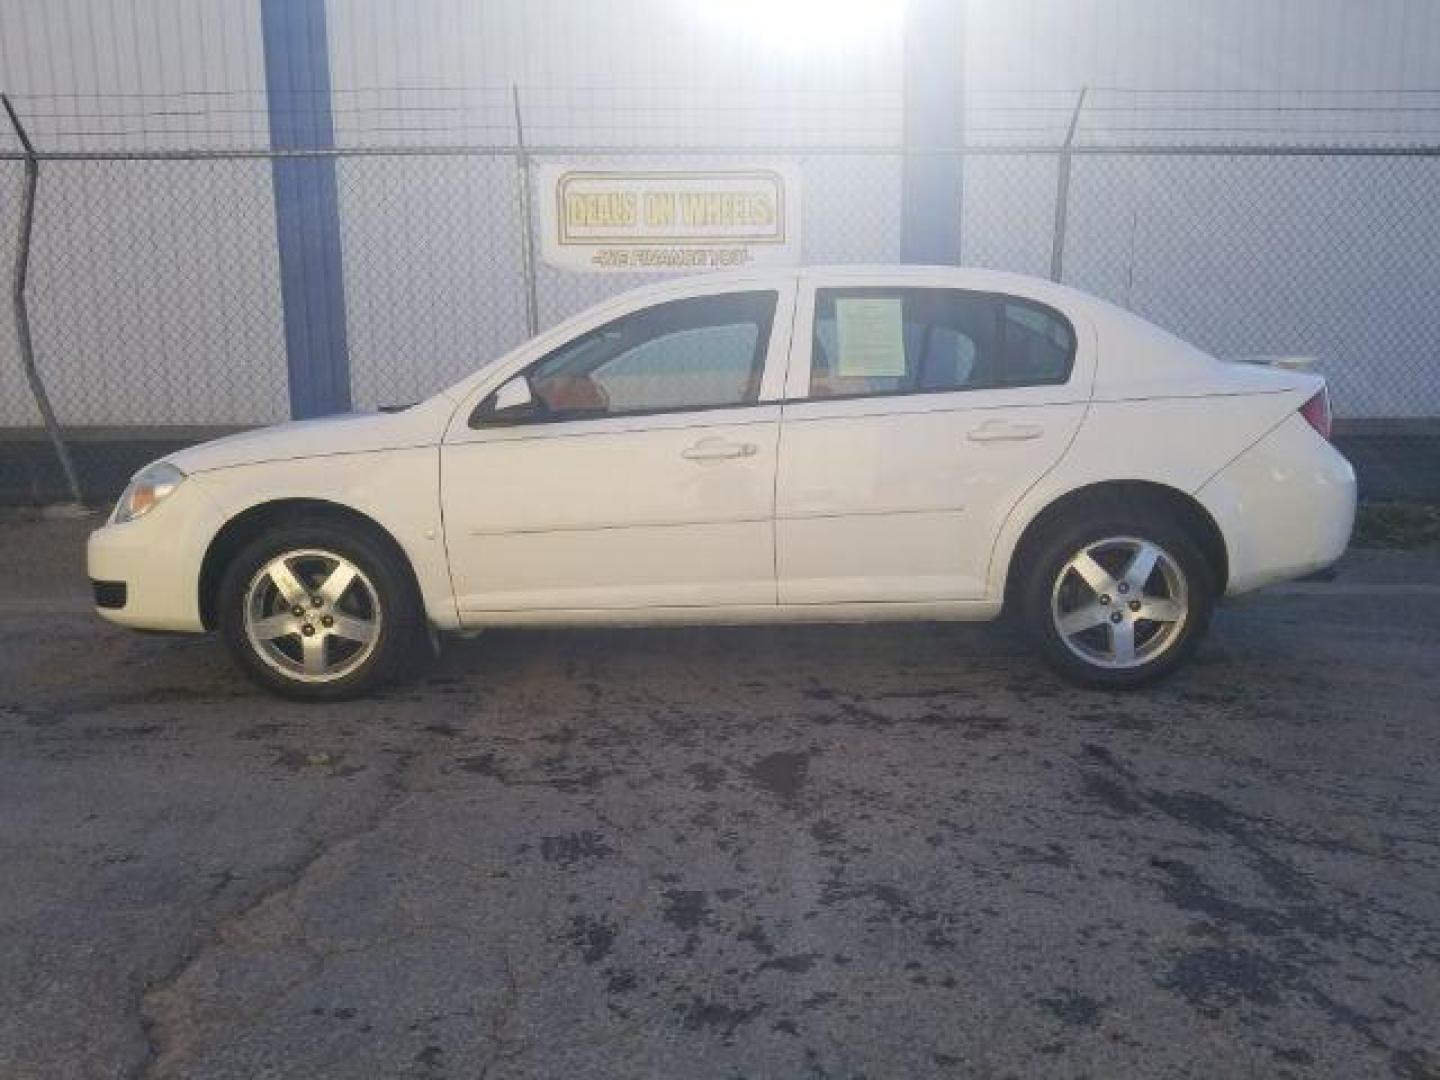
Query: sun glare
point(808, 25)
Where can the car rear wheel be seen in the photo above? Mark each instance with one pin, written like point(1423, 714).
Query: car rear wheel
point(319, 612)
point(1118, 602)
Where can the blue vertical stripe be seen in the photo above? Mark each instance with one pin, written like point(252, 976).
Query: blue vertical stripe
point(307, 213)
point(934, 117)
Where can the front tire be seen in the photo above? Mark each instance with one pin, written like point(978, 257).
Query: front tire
point(319, 611)
point(1117, 600)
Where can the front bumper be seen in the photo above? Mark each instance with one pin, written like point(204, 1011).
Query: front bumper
point(1286, 507)
point(157, 560)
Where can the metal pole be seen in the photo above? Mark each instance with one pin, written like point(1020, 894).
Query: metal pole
point(527, 237)
point(1062, 191)
point(932, 91)
point(22, 308)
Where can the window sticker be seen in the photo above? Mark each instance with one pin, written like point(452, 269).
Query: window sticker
point(870, 335)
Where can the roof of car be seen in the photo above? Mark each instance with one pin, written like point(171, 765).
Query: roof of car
point(853, 270)
point(964, 277)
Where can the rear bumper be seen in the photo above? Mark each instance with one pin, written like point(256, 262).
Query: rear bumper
point(1285, 507)
point(151, 566)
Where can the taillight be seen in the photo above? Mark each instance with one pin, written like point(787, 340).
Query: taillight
point(1317, 412)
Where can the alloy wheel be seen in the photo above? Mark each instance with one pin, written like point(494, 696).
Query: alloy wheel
point(1120, 602)
point(312, 615)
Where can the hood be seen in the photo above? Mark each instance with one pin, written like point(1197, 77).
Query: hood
point(349, 433)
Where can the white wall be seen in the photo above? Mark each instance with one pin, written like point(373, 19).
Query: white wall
point(613, 72)
point(1203, 44)
point(135, 74)
point(1355, 66)
point(154, 286)
point(1329, 258)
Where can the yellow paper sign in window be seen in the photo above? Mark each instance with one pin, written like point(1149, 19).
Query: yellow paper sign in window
point(870, 335)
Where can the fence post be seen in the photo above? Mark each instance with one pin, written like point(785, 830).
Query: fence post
point(22, 306)
point(527, 238)
point(1062, 191)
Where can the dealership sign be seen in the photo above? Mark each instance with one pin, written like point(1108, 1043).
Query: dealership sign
point(669, 220)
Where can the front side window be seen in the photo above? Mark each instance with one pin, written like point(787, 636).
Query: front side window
point(876, 341)
point(705, 352)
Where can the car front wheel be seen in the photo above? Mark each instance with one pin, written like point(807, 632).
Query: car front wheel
point(1120, 602)
point(318, 611)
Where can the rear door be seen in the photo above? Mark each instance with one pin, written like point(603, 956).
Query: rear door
point(644, 475)
point(915, 418)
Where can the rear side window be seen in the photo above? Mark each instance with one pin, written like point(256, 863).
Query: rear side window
point(877, 341)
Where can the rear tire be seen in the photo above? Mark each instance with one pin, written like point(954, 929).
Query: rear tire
point(320, 610)
point(1118, 598)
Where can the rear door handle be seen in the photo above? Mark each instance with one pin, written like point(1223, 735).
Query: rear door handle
point(1004, 431)
point(713, 449)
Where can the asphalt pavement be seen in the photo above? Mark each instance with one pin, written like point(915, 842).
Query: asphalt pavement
point(887, 851)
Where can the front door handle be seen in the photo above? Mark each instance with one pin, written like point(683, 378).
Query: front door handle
point(1004, 431)
point(713, 449)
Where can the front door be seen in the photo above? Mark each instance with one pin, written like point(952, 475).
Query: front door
point(922, 416)
point(631, 468)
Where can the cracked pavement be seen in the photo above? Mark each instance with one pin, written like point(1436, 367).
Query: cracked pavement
point(812, 851)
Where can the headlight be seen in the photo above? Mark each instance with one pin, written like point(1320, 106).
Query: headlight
point(151, 486)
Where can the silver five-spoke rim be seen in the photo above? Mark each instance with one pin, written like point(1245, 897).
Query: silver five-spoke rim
point(312, 615)
point(1120, 602)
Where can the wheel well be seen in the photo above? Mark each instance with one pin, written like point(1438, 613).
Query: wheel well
point(1124, 494)
point(245, 526)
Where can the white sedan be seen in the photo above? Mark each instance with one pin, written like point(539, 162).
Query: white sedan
point(848, 444)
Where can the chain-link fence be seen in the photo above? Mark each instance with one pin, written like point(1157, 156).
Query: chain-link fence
point(155, 287)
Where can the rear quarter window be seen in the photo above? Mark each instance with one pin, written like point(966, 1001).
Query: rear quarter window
point(1038, 345)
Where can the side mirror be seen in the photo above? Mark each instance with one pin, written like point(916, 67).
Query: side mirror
point(512, 403)
point(514, 395)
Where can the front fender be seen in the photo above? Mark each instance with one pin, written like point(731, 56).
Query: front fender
point(398, 489)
